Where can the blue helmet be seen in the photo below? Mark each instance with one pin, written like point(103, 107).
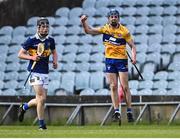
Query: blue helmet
point(113, 12)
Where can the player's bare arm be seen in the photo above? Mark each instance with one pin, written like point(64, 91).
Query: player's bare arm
point(87, 28)
point(133, 51)
point(24, 55)
point(55, 59)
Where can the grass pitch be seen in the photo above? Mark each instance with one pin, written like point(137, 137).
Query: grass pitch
point(125, 131)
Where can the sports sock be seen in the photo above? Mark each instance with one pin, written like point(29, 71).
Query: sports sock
point(116, 110)
point(25, 106)
point(41, 123)
point(129, 110)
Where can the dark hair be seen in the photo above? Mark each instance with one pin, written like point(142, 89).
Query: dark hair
point(42, 21)
point(113, 12)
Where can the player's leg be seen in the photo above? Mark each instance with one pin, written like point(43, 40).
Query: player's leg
point(127, 94)
point(41, 94)
point(24, 107)
point(113, 83)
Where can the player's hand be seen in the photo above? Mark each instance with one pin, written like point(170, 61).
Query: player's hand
point(55, 65)
point(35, 58)
point(83, 18)
point(133, 61)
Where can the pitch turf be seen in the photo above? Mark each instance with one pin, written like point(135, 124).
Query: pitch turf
point(125, 131)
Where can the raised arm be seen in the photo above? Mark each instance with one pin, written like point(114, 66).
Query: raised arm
point(87, 28)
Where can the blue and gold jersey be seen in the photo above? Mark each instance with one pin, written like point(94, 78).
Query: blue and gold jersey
point(115, 41)
point(30, 45)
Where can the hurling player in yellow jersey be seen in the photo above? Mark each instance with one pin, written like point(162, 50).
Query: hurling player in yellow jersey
point(115, 37)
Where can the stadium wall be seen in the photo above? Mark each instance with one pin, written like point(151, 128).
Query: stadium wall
point(17, 12)
point(59, 109)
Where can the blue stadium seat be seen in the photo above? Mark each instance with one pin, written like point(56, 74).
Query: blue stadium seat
point(62, 12)
point(68, 81)
point(32, 21)
point(99, 48)
point(154, 48)
point(87, 92)
point(72, 48)
point(86, 39)
point(60, 48)
point(5, 40)
point(168, 48)
point(170, 10)
point(174, 66)
point(55, 75)
point(97, 80)
point(11, 84)
point(88, 3)
point(97, 66)
point(6, 30)
point(60, 30)
point(83, 57)
point(143, 29)
point(85, 48)
point(149, 66)
point(101, 12)
point(155, 29)
point(30, 31)
point(11, 75)
point(60, 39)
point(53, 86)
point(147, 84)
point(12, 67)
point(128, 11)
point(82, 80)
point(74, 30)
point(142, 11)
point(173, 75)
point(70, 66)
point(133, 84)
point(9, 92)
point(141, 20)
point(156, 11)
point(168, 20)
point(161, 84)
point(19, 30)
point(100, 21)
point(101, 3)
point(102, 92)
point(61, 21)
point(161, 75)
point(83, 66)
point(97, 57)
point(70, 57)
point(75, 12)
point(90, 11)
point(18, 40)
point(141, 48)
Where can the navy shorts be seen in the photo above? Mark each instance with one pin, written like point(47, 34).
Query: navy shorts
point(116, 65)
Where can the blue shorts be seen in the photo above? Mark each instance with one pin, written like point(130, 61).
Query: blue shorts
point(116, 65)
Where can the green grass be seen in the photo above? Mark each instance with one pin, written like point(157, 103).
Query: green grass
point(110, 131)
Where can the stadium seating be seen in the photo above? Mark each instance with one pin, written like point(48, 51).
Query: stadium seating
point(154, 25)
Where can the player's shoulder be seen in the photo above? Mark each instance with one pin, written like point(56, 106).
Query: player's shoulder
point(123, 27)
point(50, 37)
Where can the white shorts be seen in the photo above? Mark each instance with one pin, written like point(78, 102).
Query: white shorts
point(39, 79)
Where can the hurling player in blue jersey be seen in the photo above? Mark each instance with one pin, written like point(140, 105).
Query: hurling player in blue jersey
point(115, 38)
point(39, 77)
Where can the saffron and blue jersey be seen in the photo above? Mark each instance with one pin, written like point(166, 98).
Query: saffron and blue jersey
point(31, 44)
point(114, 40)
